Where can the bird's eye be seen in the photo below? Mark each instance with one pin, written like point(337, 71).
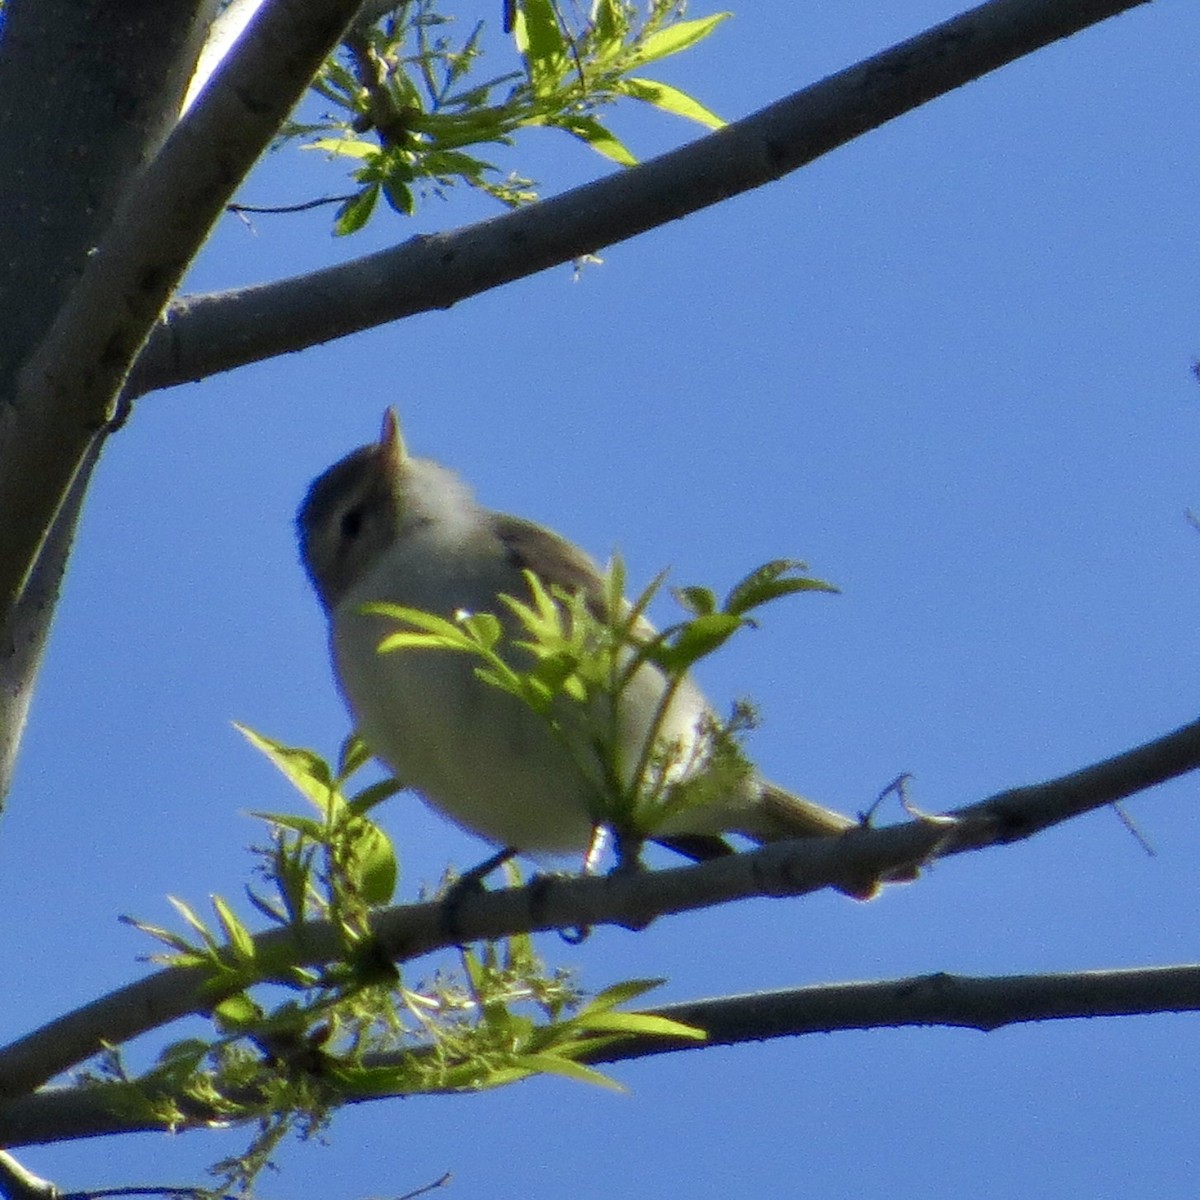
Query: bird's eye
point(352, 521)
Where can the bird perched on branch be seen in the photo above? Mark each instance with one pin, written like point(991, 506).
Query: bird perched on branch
point(383, 526)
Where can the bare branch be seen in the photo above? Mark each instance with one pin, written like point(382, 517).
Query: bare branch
point(203, 335)
point(955, 1001)
point(17, 1183)
point(958, 1001)
point(629, 900)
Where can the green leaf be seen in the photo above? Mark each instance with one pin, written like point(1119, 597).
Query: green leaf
point(236, 934)
point(694, 640)
point(424, 622)
point(698, 600)
point(668, 99)
point(639, 1024)
point(265, 907)
point(552, 1064)
point(344, 147)
point(180, 944)
point(237, 1012)
point(309, 773)
point(399, 197)
point(770, 581)
point(620, 993)
point(306, 827)
point(677, 37)
point(356, 212)
point(352, 755)
point(542, 44)
point(362, 802)
point(189, 915)
point(611, 25)
point(375, 863)
point(484, 628)
point(589, 130)
point(372, 1081)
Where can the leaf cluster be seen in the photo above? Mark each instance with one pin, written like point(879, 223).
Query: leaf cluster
point(576, 663)
point(413, 101)
point(293, 1043)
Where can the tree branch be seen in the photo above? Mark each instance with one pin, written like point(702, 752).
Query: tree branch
point(630, 900)
point(87, 95)
point(67, 387)
point(206, 334)
point(954, 1001)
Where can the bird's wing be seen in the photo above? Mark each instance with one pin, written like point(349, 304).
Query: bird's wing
point(553, 559)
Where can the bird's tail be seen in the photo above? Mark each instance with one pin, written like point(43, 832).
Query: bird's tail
point(779, 815)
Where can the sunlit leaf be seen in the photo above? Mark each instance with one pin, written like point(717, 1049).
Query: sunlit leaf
point(344, 147)
point(237, 1012)
point(677, 37)
point(375, 862)
point(542, 44)
point(668, 99)
point(306, 771)
point(236, 934)
point(589, 130)
point(695, 639)
point(552, 1064)
point(640, 1024)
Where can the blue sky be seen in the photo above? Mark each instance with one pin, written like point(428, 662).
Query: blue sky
point(948, 365)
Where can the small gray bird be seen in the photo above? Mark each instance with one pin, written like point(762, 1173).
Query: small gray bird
point(383, 526)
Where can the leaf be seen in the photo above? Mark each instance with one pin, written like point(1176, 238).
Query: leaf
point(552, 1064)
point(694, 640)
point(589, 130)
point(542, 44)
point(344, 147)
point(237, 1012)
point(362, 802)
point(611, 25)
point(620, 993)
point(375, 862)
point(698, 600)
point(484, 628)
point(639, 1024)
point(182, 945)
point(677, 37)
point(308, 772)
point(265, 907)
point(236, 934)
point(399, 197)
point(352, 755)
point(189, 915)
point(770, 581)
point(669, 99)
point(356, 212)
point(424, 622)
point(305, 826)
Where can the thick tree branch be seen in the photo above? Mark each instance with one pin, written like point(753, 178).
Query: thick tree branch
point(87, 96)
point(206, 334)
point(955, 1001)
point(630, 900)
point(67, 388)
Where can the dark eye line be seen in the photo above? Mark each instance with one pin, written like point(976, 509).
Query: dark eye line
point(352, 522)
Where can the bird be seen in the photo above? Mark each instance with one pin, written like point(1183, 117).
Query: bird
point(383, 526)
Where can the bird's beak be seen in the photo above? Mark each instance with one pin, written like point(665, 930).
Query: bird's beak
point(391, 444)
